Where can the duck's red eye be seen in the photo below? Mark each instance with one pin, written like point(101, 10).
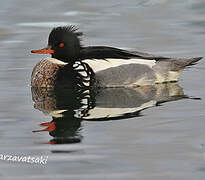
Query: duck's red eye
point(61, 44)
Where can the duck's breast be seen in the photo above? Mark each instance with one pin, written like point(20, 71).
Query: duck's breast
point(44, 73)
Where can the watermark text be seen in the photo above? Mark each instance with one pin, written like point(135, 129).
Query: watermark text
point(26, 159)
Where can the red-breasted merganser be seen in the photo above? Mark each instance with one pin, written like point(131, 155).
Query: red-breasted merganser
point(73, 65)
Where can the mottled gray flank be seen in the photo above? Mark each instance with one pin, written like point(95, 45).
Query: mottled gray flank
point(126, 75)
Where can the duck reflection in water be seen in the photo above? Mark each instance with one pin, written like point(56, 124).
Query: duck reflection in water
point(69, 107)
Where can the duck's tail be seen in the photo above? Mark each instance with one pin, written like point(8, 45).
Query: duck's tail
point(183, 63)
point(169, 69)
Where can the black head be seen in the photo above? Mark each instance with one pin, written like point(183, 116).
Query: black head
point(63, 44)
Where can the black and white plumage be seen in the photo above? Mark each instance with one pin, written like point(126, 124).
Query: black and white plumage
point(108, 66)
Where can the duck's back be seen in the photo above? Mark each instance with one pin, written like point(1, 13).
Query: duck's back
point(115, 67)
point(137, 72)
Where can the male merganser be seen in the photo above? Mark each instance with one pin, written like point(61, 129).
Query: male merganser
point(73, 65)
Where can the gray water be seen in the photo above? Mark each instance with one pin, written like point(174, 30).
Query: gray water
point(160, 142)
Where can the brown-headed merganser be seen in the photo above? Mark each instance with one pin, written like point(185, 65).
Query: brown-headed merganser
point(75, 66)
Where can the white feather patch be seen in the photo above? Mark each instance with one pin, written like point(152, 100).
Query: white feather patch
point(55, 61)
point(173, 75)
point(57, 113)
point(99, 65)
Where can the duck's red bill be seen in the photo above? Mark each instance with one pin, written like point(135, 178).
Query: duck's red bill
point(44, 51)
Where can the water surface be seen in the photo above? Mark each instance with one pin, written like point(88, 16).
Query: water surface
point(158, 134)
